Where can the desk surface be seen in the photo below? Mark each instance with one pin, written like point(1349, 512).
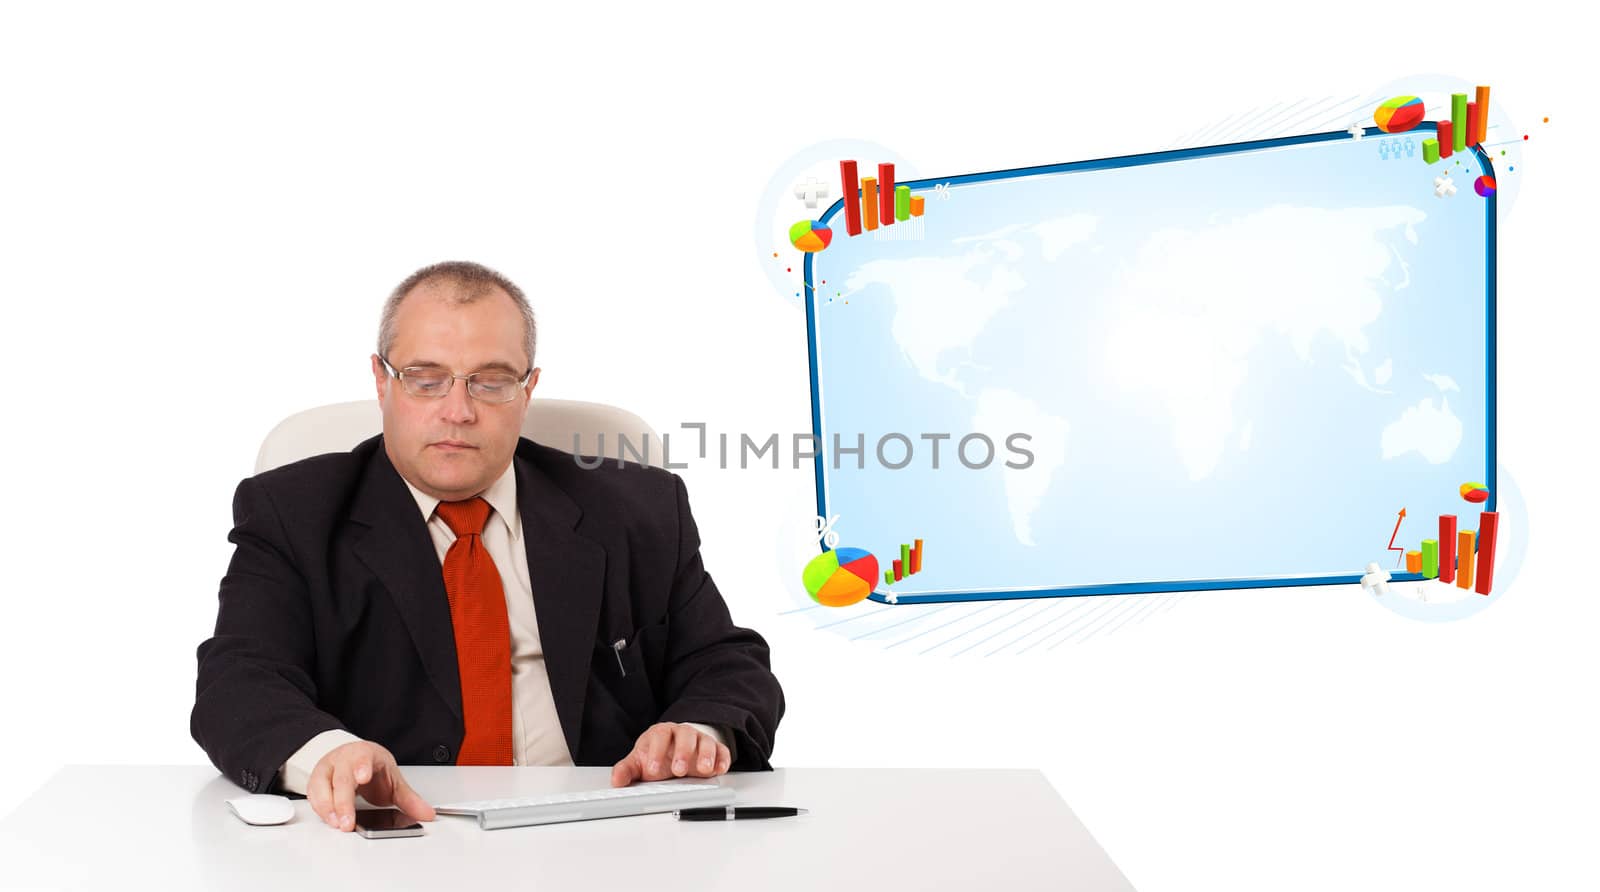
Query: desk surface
point(104, 826)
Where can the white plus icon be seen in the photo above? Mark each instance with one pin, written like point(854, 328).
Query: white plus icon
point(811, 191)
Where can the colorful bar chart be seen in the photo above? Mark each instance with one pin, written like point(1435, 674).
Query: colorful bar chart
point(1447, 548)
point(909, 563)
point(869, 201)
point(886, 194)
point(1488, 532)
point(852, 205)
point(1467, 126)
point(878, 201)
point(1465, 555)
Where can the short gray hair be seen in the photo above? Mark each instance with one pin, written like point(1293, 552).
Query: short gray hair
point(474, 281)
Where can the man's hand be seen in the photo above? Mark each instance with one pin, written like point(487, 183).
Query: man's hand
point(366, 768)
point(669, 749)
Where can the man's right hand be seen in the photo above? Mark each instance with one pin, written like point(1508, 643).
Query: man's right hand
point(366, 768)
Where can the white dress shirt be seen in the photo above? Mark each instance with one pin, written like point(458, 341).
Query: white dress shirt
point(536, 736)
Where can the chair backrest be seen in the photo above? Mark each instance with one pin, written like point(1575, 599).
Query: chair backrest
point(599, 429)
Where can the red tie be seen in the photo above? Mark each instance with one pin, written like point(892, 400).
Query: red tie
point(483, 635)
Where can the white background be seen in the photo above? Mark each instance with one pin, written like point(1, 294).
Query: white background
point(200, 212)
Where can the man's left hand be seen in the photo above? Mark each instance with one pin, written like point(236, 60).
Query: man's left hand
point(670, 749)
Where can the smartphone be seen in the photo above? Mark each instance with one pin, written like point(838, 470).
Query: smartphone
point(385, 823)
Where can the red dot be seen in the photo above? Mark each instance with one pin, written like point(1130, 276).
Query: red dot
point(1524, 136)
point(788, 269)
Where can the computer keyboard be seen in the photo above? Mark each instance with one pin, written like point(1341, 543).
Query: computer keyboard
point(587, 805)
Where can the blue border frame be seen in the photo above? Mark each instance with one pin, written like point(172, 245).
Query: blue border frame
point(1485, 165)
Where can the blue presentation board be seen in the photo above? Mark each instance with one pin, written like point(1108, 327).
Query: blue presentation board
point(1218, 367)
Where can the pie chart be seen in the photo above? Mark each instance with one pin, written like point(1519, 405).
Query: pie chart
point(810, 236)
point(1399, 114)
point(840, 577)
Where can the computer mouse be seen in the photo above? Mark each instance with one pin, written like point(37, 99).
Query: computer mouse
point(262, 809)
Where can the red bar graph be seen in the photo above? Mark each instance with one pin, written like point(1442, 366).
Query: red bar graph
point(1482, 132)
point(886, 194)
point(899, 570)
point(1488, 527)
point(916, 557)
point(852, 204)
point(1447, 139)
point(1472, 124)
point(1447, 548)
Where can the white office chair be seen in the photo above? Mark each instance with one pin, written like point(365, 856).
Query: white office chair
point(600, 430)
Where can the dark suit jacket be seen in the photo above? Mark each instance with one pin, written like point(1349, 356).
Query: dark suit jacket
point(333, 615)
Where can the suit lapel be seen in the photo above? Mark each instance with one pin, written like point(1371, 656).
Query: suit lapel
point(397, 549)
point(567, 571)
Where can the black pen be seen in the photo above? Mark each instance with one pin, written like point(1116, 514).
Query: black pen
point(729, 813)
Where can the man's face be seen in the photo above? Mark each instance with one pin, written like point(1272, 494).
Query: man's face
point(453, 447)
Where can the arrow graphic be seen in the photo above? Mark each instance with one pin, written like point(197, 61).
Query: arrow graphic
point(1396, 533)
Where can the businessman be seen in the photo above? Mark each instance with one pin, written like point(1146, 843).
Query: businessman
point(450, 593)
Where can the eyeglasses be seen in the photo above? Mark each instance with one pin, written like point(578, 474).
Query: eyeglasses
point(433, 383)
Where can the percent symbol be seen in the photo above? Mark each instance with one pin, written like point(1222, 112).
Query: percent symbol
point(825, 531)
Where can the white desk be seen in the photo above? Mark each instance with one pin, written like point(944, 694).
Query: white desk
point(869, 828)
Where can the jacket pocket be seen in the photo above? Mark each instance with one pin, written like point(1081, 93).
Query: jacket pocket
point(642, 652)
point(630, 669)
